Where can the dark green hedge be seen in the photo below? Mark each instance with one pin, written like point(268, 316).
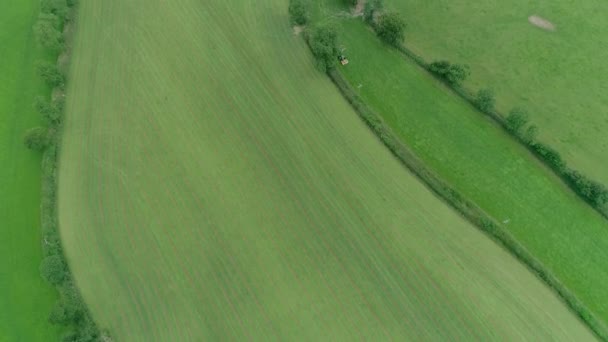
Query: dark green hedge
point(70, 309)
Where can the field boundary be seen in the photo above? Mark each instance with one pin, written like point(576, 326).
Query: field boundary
point(544, 153)
point(466, 208)
point(70, 310)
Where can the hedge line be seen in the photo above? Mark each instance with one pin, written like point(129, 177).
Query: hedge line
point(52, 32)
point(466, 208)
point(592, 192)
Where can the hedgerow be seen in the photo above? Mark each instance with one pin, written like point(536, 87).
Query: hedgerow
point(517, 125)
point(465, 207)
point(70, 309)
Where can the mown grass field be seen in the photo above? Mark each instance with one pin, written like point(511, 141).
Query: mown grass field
point(26, 300)
point(483, 163)
point(215, 186)
point(560, 76)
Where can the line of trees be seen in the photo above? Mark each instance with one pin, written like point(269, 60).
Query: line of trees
point(70, 309)
point(517, 122)
point(390, 28)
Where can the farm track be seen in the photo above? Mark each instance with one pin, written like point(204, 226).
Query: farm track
point(214, 186)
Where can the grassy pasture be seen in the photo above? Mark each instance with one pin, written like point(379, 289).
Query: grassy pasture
point(25, 299)
point(484, 164)
point(558, 75)
point(214, 186)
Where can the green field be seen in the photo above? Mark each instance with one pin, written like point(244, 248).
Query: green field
point(484, 164)
point(214, 186)
point(26, 300)
point(559, 76)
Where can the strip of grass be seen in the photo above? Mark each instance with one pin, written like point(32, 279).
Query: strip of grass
point(26, 299)
point(559, 76)
point(484, 164)
point(215, 186)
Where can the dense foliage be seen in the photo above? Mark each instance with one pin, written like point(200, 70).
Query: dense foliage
point(70, 309)
point(391, 28)
point(298, 11)
point(323, 41)
point(484, 100)
point(451, 73)
point(50, 74)
point(371, 8)
point(36, 138)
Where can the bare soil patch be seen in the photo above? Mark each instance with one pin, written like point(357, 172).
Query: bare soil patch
point(542, 23)
point(298, 29)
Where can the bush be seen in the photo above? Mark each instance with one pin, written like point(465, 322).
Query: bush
point(517, 119)
point(323, 43)
point(36, 138)
point(484, 100)
point(391, 28)
point(298, 11)
point(549, 155)
point(370, 9)
point(56, 7)
point(454, 74)
point(594, 192)
point(51, 112)
point(53, 269)
point(50, 74)
point(530, 135)
point(48, 35)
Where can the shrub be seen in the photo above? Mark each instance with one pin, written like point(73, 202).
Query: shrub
point(517, 119)
point(452, 73)
point(47, 35)
point(549, 155)
point(323, 42)
point(56, 7)
point(298, 11)
point(50, 74)
point(53, 269)
point(36, 138)
point(391, 28)
point(530, 135)
point(594, 192)
point(370, 9)
point(51, 112)
point(484, 100)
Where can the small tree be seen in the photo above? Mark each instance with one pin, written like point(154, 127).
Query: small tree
point(323, 42)
point(485, 100)
point(391, 28)
point(517, 119)
point(371, 8)
point(531, 133)
point(56, 7)
point(298, 11)
point(50, 74)
point(452, 73)
point(53, 269)
point(48, 35)
point(36, 138)
point(51, 112)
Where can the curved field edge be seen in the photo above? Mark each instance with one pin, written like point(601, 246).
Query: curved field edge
point(385, 91)
point(213, 185)
point(26, 299)
point(54, 31)
point(468, 209)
